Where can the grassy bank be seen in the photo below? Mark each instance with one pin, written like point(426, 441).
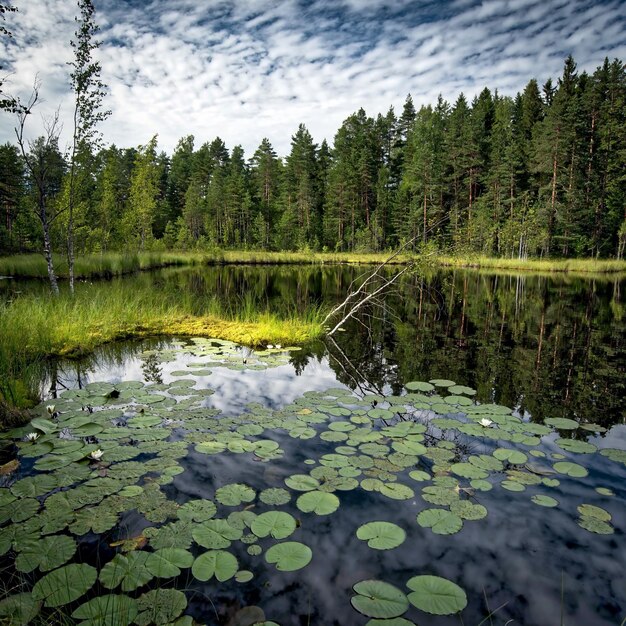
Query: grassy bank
point(574, 266)
point(33, 328)
point(116, 264)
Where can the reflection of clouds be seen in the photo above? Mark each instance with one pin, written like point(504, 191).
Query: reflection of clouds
point(516, 556)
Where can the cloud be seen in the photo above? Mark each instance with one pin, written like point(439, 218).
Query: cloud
point(245, 70)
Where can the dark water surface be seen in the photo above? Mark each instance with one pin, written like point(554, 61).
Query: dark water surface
point(544, 347)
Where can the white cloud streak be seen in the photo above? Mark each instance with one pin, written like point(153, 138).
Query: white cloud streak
point(247, 70)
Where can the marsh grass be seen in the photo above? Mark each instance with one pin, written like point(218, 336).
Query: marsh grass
point(34, 328)
point(112, 264)
point(573, 266)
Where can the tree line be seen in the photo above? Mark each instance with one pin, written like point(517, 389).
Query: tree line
point(539, 174)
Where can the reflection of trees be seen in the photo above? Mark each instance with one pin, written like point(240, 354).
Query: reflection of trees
point(548, 347)
point(60, 374)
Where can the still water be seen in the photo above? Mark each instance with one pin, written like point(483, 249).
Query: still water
point(545, 348)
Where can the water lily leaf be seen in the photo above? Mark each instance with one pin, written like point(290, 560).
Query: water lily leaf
point(254, 550)
point(64, 585)
point(397, 491)
point(461, 389)
point(234, 494)
point(570, 469)
point(512, 485)
point(244, 576)
point(468, 511)
point(396, 621)
point(481, 485)
point(436, 494)
point(34, 486)
point(381, 535)
point(211, 447)
point(19, 609)
point(419, 475)
point(216, 534)
point(589, 510)
point(605, 491)
point(277, 524)
point(379, 599)
point(223, 565)
point(542, 500)
point(197, 510)
point(318, 502)
point(46, 553)
point(468, 470)
point(107, 610)
point(45, 426)
point(128, 570)
point(440, 521)
point(561, 423)
point(436, 595)
point(160, 606)
point(419, 386)
point(167, 562)
point(25, 510)
point(512, 456)
point(302, 482)
point(289, 556)
point(595, 525)
point(574, 445)
point(442, 382)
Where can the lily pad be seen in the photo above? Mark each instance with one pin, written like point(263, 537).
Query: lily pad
point(570, 469)
point(19, 609)
point(542, 500)
point(381, 535)
point(318, 502)
point(223, 565)
point(436, 595)
point(64, 585)
point(440, 521)
point(234, 494)
point(160, 606)
point(107, 610)
point(276, 524)
point(561, 423)
point(289, 556)
point(379, 599)
point(46, 553)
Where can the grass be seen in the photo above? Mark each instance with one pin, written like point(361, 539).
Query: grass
point(574, 266)
point(115, 264)
point(34, 328)
point(111, 264)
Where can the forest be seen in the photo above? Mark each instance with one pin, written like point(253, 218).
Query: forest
point(540, 174)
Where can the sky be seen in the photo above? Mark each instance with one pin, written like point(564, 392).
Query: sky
point(248, 69)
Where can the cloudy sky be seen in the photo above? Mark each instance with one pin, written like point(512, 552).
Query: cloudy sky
point(248, 69)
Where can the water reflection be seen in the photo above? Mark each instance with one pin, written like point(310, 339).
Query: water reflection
point(549, 346)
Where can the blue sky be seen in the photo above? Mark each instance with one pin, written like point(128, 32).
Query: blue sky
point(245, 70)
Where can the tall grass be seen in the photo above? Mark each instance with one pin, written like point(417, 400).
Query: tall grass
point(111, 264)
point(582, 266)
point(35, 327)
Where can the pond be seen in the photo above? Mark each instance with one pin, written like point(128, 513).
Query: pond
point(462, 444)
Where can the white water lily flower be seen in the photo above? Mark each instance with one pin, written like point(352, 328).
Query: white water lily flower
point(32, 436)
point(270, 346)
point(485, 421)
point(278, 346)
point(96, 455)
point(50, 408)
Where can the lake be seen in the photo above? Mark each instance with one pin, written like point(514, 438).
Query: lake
point(480, 417)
